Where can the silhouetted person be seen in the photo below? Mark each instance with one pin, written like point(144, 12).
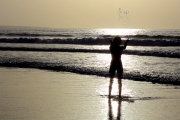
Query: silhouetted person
point(116, 63)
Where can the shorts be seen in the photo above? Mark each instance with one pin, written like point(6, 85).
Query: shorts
point(116, 65)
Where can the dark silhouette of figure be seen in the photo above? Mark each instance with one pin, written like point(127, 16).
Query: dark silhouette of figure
point(116, 63)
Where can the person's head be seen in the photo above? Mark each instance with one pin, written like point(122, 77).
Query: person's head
point(117, 40)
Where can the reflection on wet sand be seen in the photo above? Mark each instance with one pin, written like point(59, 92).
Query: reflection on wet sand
point(111, 108)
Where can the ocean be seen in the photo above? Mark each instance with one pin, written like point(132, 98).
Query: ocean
point(151, 55)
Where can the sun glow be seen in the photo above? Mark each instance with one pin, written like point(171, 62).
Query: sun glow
point(122, 32)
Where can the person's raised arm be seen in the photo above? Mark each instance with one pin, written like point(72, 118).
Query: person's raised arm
point(125, 44)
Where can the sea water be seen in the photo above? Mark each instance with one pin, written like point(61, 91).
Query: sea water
point(151, 55)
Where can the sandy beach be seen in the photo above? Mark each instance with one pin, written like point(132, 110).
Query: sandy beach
point(32, 94)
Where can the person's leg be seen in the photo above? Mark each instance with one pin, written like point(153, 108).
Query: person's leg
point(110, 86)
point(120, 75)
point(112, 71)
point(120, 86)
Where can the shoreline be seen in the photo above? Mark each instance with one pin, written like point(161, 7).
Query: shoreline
point(26, 65)
point(33, 94)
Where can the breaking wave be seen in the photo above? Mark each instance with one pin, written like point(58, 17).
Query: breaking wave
point(172, 54)
point(94, 41)
point(91, 71)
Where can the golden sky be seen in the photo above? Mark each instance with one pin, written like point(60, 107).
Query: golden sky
point(139, 14)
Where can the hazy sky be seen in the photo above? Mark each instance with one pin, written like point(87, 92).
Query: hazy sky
point(141, 14)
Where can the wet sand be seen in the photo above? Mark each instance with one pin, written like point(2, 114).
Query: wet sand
point(32, 94)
